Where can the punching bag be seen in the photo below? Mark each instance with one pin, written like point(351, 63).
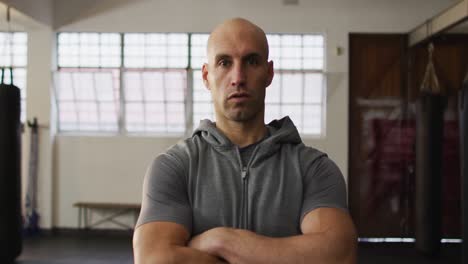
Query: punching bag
point(10, 174)
point(463, 108)
point(429, 142)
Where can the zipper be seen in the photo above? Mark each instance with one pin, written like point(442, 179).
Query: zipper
point(244, 173)
point(245, 205)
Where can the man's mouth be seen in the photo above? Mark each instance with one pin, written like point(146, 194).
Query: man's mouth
point(238, 96)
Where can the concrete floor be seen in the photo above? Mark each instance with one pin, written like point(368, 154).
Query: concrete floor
point(102, 248)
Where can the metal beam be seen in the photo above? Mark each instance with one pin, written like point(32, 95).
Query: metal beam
point(448, 18)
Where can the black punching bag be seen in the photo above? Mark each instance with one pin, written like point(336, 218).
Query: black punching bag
point(463, 103)
point(429, 137)
point(10, 174)
point(429, 142)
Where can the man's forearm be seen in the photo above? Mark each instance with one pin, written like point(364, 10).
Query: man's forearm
point(241, 246)
point(178, 254)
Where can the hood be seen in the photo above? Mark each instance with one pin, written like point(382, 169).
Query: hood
point(282, 131)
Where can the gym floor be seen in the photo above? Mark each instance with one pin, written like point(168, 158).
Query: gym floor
point(112, 248)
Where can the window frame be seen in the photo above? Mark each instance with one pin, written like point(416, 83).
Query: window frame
point(189, 97)
point(23, 90)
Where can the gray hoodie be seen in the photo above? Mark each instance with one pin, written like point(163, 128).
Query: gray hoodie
point(201, 183)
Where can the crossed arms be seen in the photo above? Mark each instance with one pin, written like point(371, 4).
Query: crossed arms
point(328, 237)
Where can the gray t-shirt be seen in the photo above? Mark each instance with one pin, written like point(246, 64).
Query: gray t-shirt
point(200, 184)
point(247, 151)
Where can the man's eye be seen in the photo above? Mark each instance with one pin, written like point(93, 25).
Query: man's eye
point(252, 61)
point(224, 63)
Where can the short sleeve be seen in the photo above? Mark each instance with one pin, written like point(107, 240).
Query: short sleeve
point(165, 193)
point(324, 186)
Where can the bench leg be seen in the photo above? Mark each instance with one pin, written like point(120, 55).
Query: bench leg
point(79, 217)
point(85, 218)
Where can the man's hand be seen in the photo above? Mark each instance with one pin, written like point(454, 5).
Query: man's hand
point(214, 240)
point(165, 242)
point(328, 237)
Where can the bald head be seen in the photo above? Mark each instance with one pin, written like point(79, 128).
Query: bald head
point(236, 31)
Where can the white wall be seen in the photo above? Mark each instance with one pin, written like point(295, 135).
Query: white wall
point(99, 168)
point(40, 46)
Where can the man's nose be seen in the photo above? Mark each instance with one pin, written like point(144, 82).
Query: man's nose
point(238, 76)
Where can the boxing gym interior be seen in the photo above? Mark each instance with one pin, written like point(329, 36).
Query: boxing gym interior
point(81, 115)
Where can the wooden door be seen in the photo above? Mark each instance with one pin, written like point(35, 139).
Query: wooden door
point(380, 184)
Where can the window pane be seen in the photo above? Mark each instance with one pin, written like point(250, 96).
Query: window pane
point(104, 86)
point(156, 50)
point(295, 52)
point(19, 78)
point(313, 88)
point(313, 40)
point(155, 100)
point(198, 50)
point(202, 111)
point(202, 102)
point(292, 88)
point(176, 117)
point(87, 115)
point(135, 117)
point(133, 86)
point(88, 100)
point(273, 92)
point(294, 112)
point(108, 113)
point(13, 53)
point(272, 112)
point(153, 86)
point(315, 52)
point(68, 116)
point(156, 117)
point(175, 86)
point(64, 85)
point(13, 49)
point(200, 93)
point(89, 50)
point(312, 119)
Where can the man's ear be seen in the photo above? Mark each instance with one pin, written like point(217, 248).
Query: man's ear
point(205, 75)
point(270, 72)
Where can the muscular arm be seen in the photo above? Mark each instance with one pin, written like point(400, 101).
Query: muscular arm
point(328, 237)
point(165, 242)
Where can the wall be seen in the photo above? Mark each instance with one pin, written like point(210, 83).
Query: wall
point(41, 11)
point(40, 53)
point(99, 168)
point(40, 47)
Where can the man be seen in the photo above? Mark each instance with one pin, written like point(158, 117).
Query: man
point(240, 191)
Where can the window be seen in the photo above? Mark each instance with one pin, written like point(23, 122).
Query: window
point(298, 86)
point(156, 50)
point(155, 101)
point(202, 103)
point(14, 54)
point(87, 85)
point(87, 99)
point(155, 82)
point(297, 89)
point(89, 50)
point(152, 82)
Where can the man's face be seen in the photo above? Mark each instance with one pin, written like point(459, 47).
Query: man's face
point(237, 74)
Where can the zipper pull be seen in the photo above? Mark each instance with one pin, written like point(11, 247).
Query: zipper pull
point(244, 172)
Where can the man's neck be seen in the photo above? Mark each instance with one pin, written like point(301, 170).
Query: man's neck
point(242, 133)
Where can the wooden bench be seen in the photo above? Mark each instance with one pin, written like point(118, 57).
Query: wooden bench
point(85, 209)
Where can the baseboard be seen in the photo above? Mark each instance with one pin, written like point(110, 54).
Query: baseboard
point(85, 232)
